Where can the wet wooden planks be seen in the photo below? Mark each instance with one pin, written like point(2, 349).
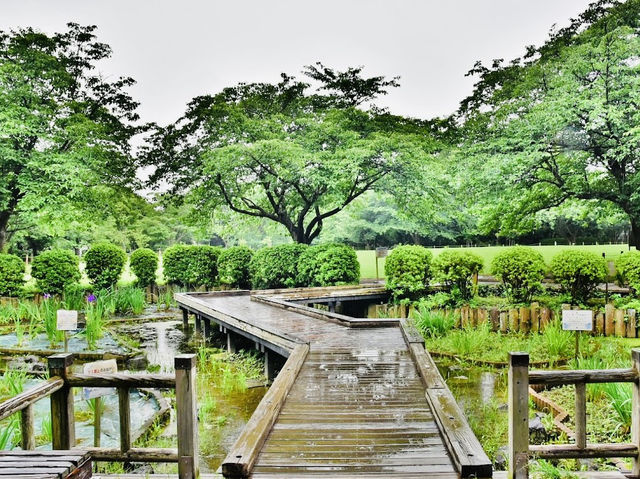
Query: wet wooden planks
point(356, 412)
point(45, 464)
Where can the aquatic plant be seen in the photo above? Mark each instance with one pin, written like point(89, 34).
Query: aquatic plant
point(558, 342)
point(432, 323)
point(95, 319)
point(620, 395)
point(12, 383)
point(8, 432)
point(129, 300)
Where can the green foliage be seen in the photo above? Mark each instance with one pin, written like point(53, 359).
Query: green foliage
point(54, 270)
point(233, 266)
point(65, 129)
point(621, 397)
point(408, 270)
point(628, 267)
point(11, 274)
point(336, 265)
point(456, 269)
point(328, 265)
point(129, 300)
point(277, 266)
point(144, 263)
point(191, 266)
point(432, 323)
point(104, 263)
point(579, 273)
point(309, 155)
point(561, 123)
point(521, 270)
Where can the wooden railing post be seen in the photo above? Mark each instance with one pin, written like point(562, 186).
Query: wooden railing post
point(186, 413)
point(518, 416)
point(581, 415)
point(28, 442)
point(635, 415)
point(185, 320)
point(124, 408)
point(62, 420)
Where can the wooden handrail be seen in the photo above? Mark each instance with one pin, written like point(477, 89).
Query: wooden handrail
point(119, 380)
point(60, 388)
point(519, 448)
point(30, 396)
point(561, 377)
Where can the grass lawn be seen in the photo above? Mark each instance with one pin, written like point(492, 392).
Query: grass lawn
point(368, 258)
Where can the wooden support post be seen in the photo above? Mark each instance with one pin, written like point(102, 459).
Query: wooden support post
point(231, 343)
point(635, 414)
point(504, 321)
point(495, 319)
point(207, 327)
point(535, 317)
point(609, 326)
point(621, 327)
point(28, 442)
point(332, 306)
point(186, 414)
point(545, 318)
point(631, 325)
point(62, 419)
point(270, 364)
point(198, 322)
point(524, 319)
point(518, 416)
point(97, 421)
point(581, 415)
point(125, 419)
point(513, 320)
point(599, 324)
point(185, 321)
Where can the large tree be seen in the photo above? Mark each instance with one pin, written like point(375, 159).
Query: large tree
point(287, 152)
point(563, 123)
point(63, 128)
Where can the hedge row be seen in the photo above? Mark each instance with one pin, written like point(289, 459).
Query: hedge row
point(521, 270)
point(283, 266)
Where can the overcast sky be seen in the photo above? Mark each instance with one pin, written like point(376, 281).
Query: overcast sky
point(179, 49)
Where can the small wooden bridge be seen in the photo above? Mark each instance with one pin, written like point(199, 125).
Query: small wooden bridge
point(355, 398)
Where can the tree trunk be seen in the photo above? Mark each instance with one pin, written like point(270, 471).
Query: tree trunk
point(4, 234)
point(634, 233)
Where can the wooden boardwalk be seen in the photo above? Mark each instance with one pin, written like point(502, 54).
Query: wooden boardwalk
point(356, 405)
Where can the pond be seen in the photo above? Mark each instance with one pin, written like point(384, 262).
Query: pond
point(229, 389)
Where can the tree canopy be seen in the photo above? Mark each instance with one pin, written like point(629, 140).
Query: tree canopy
point(562, 123)
point(63, 128)
point(286, 153)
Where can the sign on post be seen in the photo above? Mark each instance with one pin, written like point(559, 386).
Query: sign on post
point(107, 366)
point(67, 320)
point(577, 320)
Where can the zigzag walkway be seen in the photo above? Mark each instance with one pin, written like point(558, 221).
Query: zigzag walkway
point(356, 397)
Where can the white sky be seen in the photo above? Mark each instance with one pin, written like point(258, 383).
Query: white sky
point(177, 50)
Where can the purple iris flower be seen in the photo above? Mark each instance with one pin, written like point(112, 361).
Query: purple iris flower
point(47, 296)
point(91, 298)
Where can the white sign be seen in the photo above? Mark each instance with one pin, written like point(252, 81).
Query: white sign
point(67, 320)
point(577, 320)
point(107, 366)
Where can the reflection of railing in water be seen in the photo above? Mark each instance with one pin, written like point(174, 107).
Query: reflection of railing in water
point(519, 448)
point(60, 388)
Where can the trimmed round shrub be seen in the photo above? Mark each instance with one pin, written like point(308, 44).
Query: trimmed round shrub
point(308, 264)
point(55, 269)
point(628, 268)
point(144, 264)
point(408, 270)
point(277, 266)
point(521, 270)
point(233, 267)
point(578, 272)
point(104, 263)
point(192, 266)
point(11, 274)
point(456, 269)
point(336, 266)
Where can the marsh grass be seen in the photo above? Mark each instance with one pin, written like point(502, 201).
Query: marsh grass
point(8, 433)
point(620, 396)
point(12, 383)
point(432, 323)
